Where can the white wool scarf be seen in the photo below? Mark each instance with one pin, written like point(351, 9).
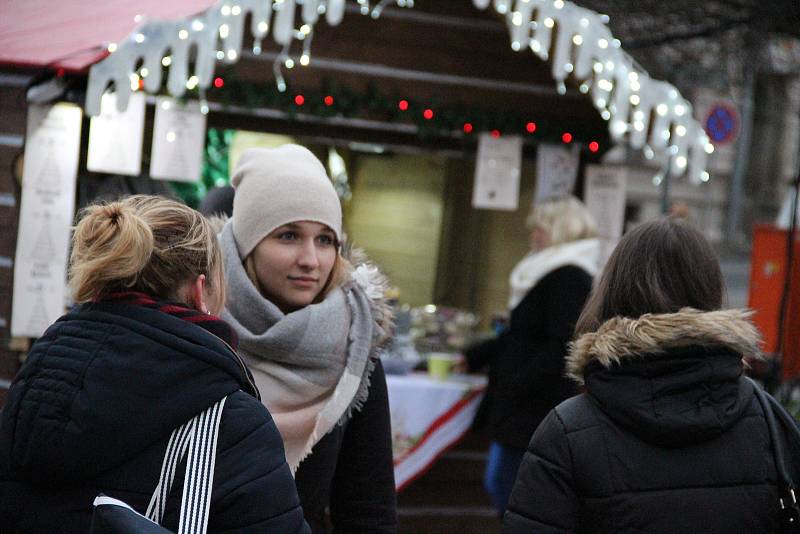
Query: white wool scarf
point(584, 253)
point(312, 366)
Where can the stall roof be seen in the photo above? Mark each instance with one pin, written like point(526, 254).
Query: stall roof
point(74, 34)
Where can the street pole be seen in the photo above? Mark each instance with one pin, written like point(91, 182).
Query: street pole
point(665, 173)
point(733, 226)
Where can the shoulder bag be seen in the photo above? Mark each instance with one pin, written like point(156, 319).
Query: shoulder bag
point(198, 438)
point(787, 490)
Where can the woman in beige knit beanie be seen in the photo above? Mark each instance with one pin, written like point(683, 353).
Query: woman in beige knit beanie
point(312, 327)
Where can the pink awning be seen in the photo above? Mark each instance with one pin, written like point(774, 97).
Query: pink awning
point(74, 34)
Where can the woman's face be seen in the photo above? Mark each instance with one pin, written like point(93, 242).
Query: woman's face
point(539, 239)
point(294, 262)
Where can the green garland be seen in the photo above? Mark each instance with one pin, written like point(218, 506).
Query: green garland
point(371, 104)
point(376, 105)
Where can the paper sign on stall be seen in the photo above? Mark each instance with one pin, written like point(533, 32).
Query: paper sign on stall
point(179, 133)
point(604, 195)
point(48, 202)
point(497, 172)
point(115, 138)
point(556, 172)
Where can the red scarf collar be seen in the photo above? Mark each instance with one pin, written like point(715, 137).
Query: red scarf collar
point(208, 322)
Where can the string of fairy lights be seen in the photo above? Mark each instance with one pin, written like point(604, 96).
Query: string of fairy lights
point(440, 118)
point(647, 114)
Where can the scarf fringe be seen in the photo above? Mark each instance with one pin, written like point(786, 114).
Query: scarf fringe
point(375, 284)
point(362, 394)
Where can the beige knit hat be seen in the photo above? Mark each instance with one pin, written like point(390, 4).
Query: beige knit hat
point(277, 186)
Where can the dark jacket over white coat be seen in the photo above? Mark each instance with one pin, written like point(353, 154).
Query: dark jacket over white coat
point(92, 409)
point(667, 438)
point(526, 362)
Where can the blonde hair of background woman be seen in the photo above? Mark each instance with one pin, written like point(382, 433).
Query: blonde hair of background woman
point(143, 243)
point(564, 219)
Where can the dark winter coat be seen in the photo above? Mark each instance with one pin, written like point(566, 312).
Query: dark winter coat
point(526, 362)
point(667, 438)
point(350, 470)
point(92, 409)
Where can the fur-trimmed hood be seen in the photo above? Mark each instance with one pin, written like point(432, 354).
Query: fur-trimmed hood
point(670, 379)
point(621, 338)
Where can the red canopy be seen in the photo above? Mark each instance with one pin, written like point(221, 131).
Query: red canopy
point(73, 34)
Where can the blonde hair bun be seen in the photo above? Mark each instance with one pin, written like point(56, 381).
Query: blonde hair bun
point(143, 243)
point(111, 245)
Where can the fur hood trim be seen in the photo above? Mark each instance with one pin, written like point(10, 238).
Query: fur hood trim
point(623, 338)
point(375, 284)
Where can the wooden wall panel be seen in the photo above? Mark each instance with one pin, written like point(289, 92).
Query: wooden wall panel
point(480, 247)
point(13, 110)
point(395, 215)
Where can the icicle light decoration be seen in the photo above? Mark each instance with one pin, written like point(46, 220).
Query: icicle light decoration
point(216, 35)
point(648, 114)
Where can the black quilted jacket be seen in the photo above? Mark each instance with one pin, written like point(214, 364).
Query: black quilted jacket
point(94, 404)
point(668, 437)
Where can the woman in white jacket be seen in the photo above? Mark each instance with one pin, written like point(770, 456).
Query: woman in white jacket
point(526, 362)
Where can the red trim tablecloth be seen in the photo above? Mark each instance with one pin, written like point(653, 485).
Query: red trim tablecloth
point(428, 417)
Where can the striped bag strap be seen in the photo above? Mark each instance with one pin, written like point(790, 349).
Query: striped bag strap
point(199, 477)
point(198, 437)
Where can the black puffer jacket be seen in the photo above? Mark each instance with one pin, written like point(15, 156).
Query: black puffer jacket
point(349, 471)
point(669, 436)
point(526, 362)
point(94, 404)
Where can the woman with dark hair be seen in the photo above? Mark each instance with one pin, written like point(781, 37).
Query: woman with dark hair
point(668, 435)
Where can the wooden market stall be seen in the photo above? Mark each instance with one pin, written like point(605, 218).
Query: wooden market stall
point(401, 93)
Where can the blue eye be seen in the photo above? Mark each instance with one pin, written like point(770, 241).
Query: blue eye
point(287, 236)
point(325, 240)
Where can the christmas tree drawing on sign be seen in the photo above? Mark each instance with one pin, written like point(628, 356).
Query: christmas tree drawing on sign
point(49, 177)
point(44, 248)
point(38, 320)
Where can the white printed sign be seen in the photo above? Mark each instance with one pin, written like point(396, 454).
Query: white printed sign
point(179, 133)
point(497, 172)
point(52, 149)
point(115, 139)
point(556, 172)
point(604, 195)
